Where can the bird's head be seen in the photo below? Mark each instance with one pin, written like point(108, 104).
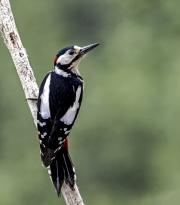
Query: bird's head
point(68, 58)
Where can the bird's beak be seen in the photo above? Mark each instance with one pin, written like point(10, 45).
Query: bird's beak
point(86, 49)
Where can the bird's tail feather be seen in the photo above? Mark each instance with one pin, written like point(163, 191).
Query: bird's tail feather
point(62, 170)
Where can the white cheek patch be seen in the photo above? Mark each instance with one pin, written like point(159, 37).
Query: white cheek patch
point(44, 108)
point(65, 59)
point(69, 116)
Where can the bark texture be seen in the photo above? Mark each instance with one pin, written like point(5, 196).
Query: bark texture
point(28, 81)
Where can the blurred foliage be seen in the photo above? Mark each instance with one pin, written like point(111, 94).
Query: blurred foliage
point(125, 142)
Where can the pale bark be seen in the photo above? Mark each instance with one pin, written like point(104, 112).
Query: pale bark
point(28, 81)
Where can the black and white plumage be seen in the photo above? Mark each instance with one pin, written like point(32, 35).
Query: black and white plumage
point(59, 101)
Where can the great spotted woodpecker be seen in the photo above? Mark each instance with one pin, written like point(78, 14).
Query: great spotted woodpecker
point(59, 101)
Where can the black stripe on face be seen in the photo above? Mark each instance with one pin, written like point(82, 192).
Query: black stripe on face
point(76, 58)
point(66, 67)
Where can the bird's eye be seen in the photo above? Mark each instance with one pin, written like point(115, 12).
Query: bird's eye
point(71, 53)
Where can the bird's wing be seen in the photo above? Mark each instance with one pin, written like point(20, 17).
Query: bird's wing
point(56, 116)
point(44, 122)
point(64, 121)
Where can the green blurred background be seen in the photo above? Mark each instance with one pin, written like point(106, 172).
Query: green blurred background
point(126, 141)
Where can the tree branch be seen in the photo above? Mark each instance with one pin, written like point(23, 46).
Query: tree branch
point(28, 81)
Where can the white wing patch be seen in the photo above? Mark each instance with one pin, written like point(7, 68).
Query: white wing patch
point(69, 116)
point(44, 108)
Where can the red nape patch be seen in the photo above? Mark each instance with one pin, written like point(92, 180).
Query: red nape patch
point(55, 59)
point(65, 144)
